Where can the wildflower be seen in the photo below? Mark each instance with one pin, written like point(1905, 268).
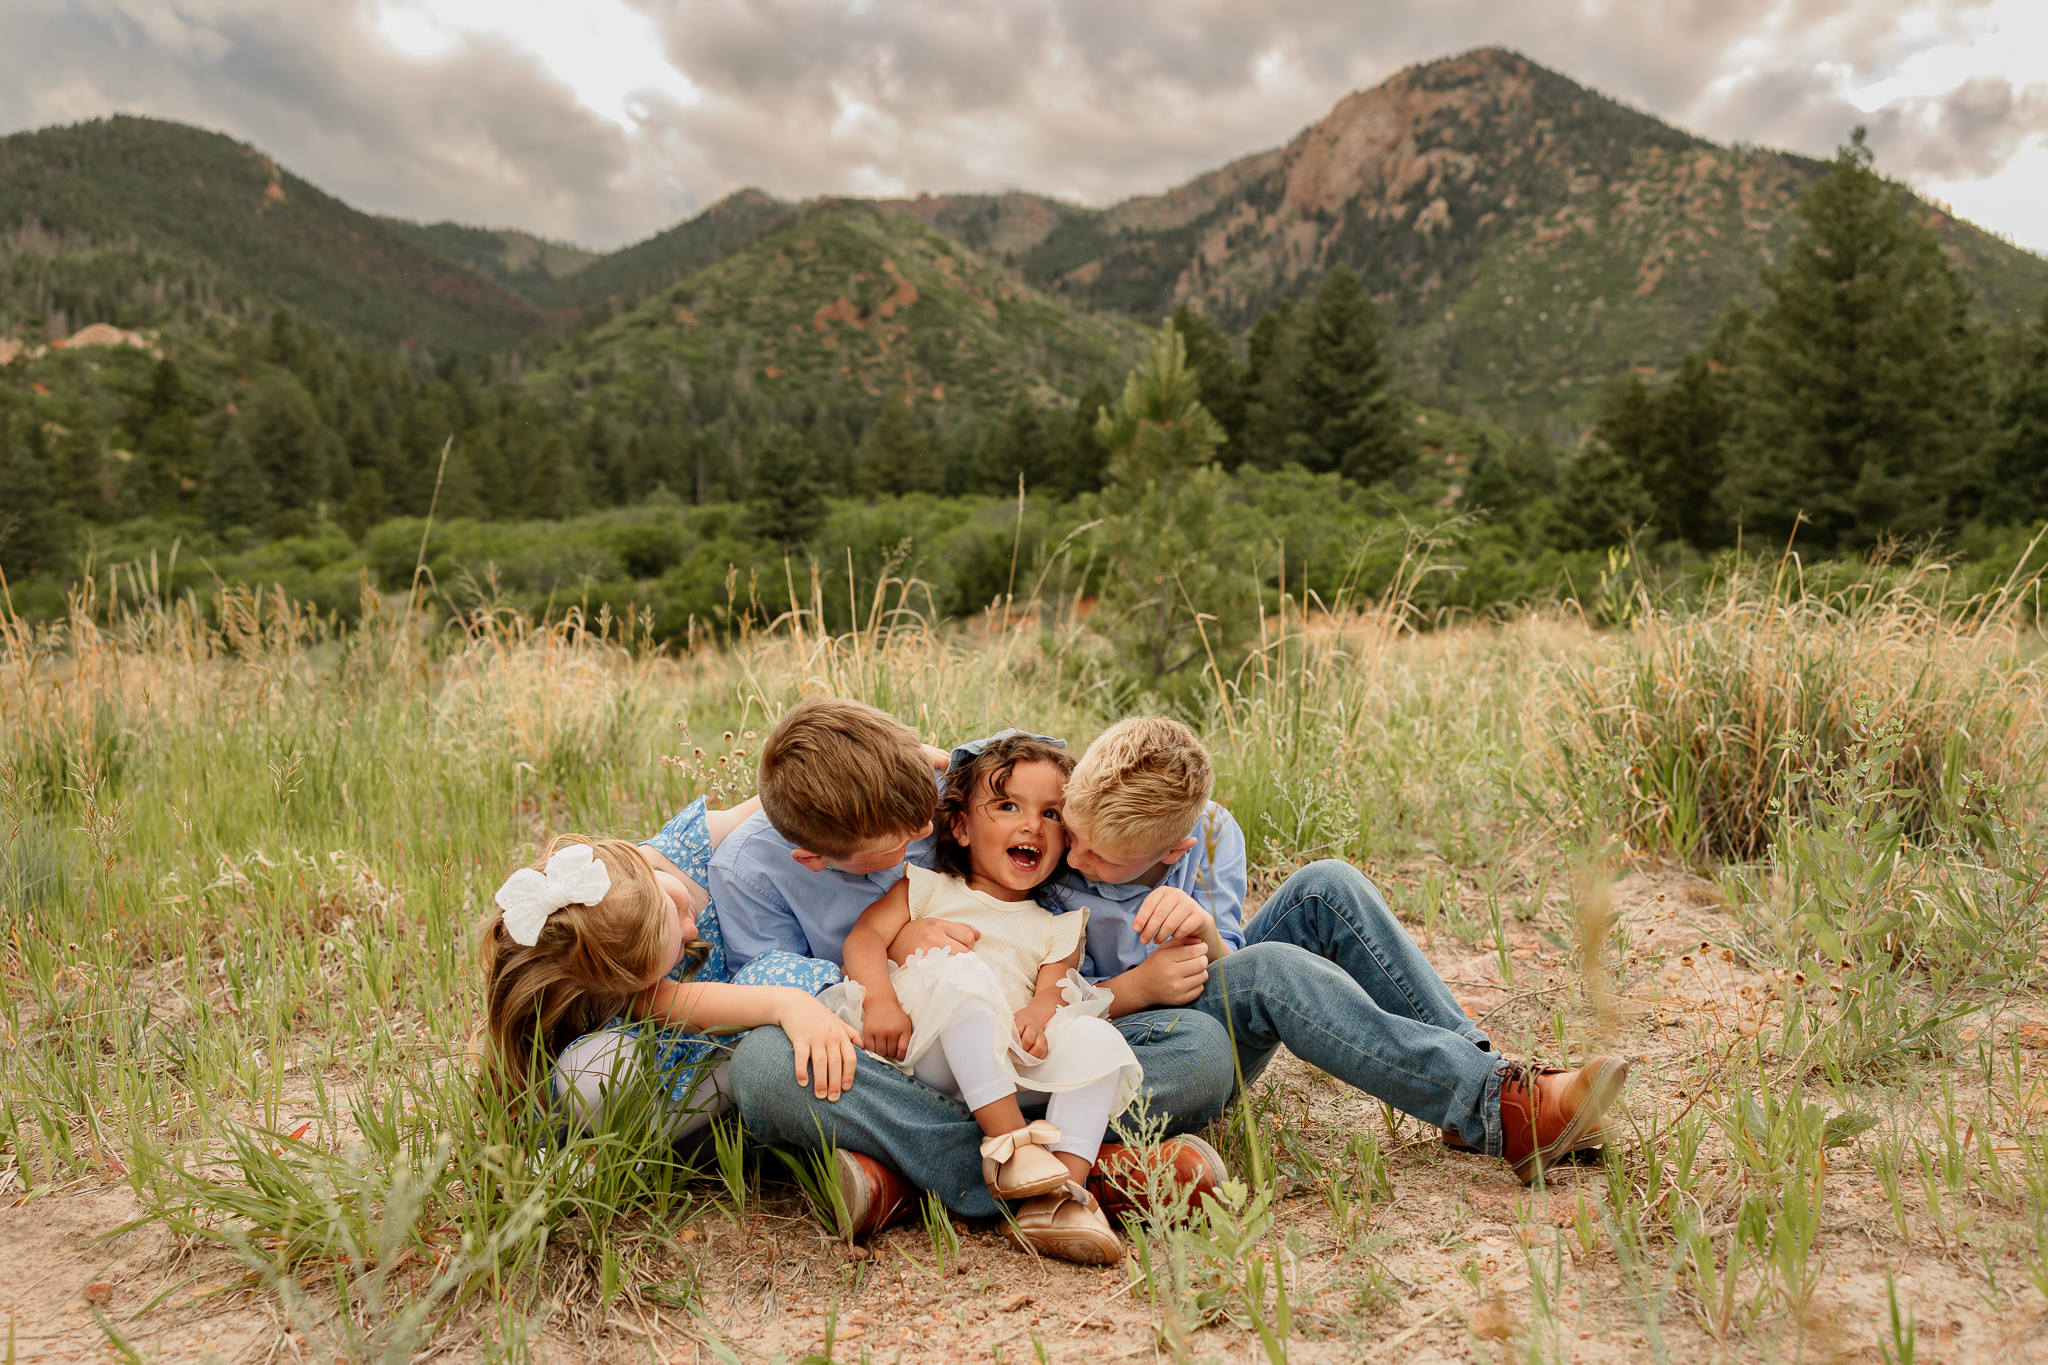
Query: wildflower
point(1799, 978)
point(748, 735)
point(728, 736)
point(1685, 961)
point(1727, 955)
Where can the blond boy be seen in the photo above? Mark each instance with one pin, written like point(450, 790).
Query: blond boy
point(1324, 967)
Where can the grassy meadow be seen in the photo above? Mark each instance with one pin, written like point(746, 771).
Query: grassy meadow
point(1783, 845)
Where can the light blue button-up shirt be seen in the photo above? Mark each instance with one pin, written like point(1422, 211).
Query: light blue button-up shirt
point(1213, 872)
point(767, 900)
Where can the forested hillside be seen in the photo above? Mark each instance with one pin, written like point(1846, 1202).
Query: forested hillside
point(1479, 297)
point(119, 219)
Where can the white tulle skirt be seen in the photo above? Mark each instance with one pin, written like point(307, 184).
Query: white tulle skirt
point(936, 988)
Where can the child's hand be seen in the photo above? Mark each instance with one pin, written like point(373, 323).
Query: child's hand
point(826, 1046)
point(1031, 1022)
point(888, 1028)
point(1169, 913)
point(940, 759)
point(921, 934)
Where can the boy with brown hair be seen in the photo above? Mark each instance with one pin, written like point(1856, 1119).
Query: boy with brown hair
point(1324, 967)
point(847, 797)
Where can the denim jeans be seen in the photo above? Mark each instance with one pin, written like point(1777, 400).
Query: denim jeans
point(1329, 972)
point(932, 1138)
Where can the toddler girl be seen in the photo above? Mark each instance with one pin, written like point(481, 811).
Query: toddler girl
point(589, 970)
point(1013, 1016)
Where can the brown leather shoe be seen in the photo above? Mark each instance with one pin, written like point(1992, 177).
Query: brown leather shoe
point(1546, 1114)
point(1118, 1180)
point(875, 1195)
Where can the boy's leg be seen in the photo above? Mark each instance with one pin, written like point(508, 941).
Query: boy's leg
point(1331, 909)
point(935, 1141)
point(1273, 993)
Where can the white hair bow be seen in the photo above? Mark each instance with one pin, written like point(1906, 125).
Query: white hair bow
point(573, 877)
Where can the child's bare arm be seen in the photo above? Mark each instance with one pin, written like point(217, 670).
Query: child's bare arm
point(1045, 1002)
point(719, 823)
point(887, 1031)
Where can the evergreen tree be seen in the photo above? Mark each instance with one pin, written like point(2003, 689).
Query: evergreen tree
point(1172, 590)
point(788, 493)
point(1276, 417)
point(1221, 377)
point(367, 503)
point(1862, 381)
point(1601, 499)
point(1080, 460)
point(32, 525)
point(236, 492)
point(897, 455)
point(1353, 416)
point(1689, 422)
point(158, 427)
point(284, 435)
point(2019, 447)
point(1023, 446)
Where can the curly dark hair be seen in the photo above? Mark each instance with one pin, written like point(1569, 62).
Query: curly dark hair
point(990, 769)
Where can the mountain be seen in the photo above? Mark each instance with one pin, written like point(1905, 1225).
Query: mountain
point(96, 211)
point(847, 292)
point(1526, 236)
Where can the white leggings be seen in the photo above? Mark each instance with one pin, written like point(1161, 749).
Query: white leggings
point(598, 1066)
point(963, 1065)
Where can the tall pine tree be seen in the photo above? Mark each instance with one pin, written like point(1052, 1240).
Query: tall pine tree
point(788, 494)
point(1221, 377)
point(1862, 382)
point(1355, 419)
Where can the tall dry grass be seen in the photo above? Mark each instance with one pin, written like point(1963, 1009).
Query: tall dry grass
point(1674, 735)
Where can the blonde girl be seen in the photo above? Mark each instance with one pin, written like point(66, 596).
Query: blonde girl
point(595, 965)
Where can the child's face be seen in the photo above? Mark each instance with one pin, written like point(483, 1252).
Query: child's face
point(1099, 863)
point(1014, 838)
point(878, 857)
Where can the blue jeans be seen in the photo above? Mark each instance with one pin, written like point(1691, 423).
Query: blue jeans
point(932, 1138)
point(1328, 971)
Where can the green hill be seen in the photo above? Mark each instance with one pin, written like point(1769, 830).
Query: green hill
point(109, 219)
point(626, 275)
point(847, 294)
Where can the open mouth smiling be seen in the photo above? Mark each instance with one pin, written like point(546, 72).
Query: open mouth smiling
point(1025, 857)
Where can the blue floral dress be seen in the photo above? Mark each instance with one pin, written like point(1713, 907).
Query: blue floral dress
point(680, 1056)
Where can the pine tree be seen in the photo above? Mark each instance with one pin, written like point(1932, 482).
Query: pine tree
point(236, 492)
point(1688, 424)
point(1221, 377)
point(284, 435)
point(2019, 447)
point(1601, 499)
point(1172, 592)
point(1276, 417)
point(160, 434)
point(899, 456)
point(32, 525)
point(367, 503)
point(1862, 381)
point(1080, 461)
point(1022, 446)
point(788, 493)
point(1353, 416)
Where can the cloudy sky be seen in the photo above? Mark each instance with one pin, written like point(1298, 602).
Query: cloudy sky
point(600, 121)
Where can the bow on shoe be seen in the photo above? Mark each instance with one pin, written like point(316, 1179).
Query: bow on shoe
point(1003, 1146)
point(574, 876)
